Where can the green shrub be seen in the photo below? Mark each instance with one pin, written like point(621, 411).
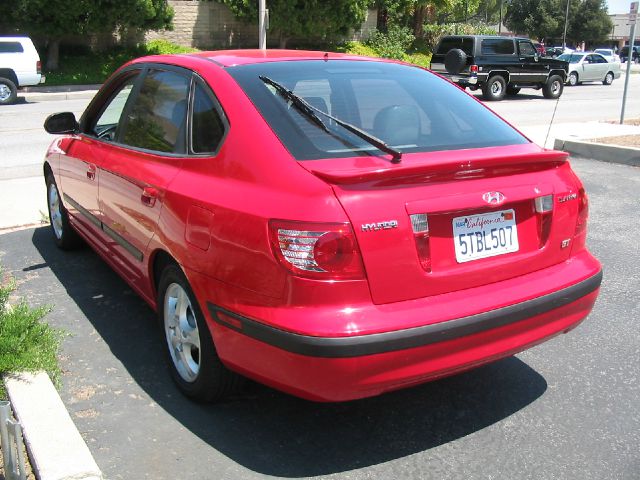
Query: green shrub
point(26, 343)
point(84, 67)
point(393, 44)
point(357, 48)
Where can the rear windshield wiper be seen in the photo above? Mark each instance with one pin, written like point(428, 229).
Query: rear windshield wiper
point(311, 112)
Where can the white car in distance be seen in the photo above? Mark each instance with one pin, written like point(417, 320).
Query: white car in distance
point(19, 67)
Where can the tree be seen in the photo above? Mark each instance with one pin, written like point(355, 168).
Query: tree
point(305, 18)
point(82, 17)
point(588, 19)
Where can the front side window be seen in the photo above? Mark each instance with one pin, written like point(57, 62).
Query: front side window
point(157, 119)
point(526, 49)
point(106, 125)
point(406, 107)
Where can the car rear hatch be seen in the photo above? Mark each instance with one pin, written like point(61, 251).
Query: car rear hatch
point(446, 221)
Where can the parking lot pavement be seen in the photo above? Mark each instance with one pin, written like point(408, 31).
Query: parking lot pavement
point(567, 409)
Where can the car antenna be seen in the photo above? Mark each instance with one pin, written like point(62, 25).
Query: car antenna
point(544, 145)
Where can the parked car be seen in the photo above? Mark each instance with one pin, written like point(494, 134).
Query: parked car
point(19, 67)
point(555, 52)
point(333, 226)
point(590, 67)
point(624, 54)
point(499, 66)
point(609, 54)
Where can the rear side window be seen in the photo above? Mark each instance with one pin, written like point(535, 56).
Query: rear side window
point(11, 47)
point(207, 124)
point(448, 43)
point(406, 107)
point(158, 116)
point(497, 46)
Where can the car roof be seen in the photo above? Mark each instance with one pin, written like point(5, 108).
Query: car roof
point(229, 58)
point(14, 39)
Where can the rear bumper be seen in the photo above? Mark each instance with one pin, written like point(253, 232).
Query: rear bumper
point(361, 345)
point(340, 368)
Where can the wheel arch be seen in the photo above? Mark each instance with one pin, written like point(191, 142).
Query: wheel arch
point(562, 73)
point(503, 73)
point(158, 261)
point(9, 74)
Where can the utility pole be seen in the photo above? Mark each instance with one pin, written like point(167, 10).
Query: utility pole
point(500, 24)
point(262, 24)
point(564, 35)
point(633, 17)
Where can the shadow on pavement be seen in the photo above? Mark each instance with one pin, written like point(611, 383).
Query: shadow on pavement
point(267, 431)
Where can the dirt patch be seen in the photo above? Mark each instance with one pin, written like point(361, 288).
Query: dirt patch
point(623, 140)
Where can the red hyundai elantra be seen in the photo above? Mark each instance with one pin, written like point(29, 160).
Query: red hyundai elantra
point(333, 226)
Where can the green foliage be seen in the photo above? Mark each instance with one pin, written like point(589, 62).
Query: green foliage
point(320, 19)
point(26, 343)
point(588, 19)
point(68, 17)
point(357, 48)
point(433, 33)
point(87, 68)
point(393, 44)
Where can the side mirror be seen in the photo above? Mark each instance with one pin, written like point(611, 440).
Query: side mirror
point(61, 123)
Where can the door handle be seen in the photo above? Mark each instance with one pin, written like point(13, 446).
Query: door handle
point(149, 196)
point(91, 171)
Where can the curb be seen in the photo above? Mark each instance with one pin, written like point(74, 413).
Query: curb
point(56, 449)
point(48, 96)
point(600, 151)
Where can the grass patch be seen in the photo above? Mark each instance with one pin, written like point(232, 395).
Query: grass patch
point(26, 343)
point(84, 67)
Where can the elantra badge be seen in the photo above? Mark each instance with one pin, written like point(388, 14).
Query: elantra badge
point(493, 198)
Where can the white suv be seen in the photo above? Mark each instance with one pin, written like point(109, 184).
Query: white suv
point(19, 67)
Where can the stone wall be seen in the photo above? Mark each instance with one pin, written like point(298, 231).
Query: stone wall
point(209, 24)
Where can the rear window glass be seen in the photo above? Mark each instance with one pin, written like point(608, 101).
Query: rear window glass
point(448, 43)
point(406, 107)
point(11, 47)
point(497, 46)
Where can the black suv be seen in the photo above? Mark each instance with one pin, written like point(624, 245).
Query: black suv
point(498, 65)
point(624, 54)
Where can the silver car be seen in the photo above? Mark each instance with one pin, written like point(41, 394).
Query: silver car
point(609, 54)
point(590, 67)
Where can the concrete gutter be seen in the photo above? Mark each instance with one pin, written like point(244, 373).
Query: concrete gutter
point(62, 92)
point(56, 448)
point(600, 151)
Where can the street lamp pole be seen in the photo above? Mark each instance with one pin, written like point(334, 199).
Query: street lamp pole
point(262, 25)
point(566, 21)
point(500, 24)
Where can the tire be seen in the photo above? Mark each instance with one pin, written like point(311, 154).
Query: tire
point(194, 364)
point(65, 236)
point(513, 90)
point(8, 91)
point(553, 87)
point(608, 79)
point(455, 60)
point(495, 89)
point(573, 79)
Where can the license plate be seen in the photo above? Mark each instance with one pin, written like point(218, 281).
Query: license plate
point(485, 235)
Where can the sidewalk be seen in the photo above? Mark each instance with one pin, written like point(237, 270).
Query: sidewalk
point(63, 92)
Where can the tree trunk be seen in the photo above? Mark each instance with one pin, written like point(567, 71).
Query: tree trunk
point(382, 20)
point(53, 55)
point(418, 20)
point(282, 43)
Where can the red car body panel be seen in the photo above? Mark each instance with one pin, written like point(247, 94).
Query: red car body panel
point(212, 215)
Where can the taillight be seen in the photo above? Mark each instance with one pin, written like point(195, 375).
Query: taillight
point(583, 213)
point(317, 250)
point(544, 210)
point(420, 227)
point(39, 67)
point(473, 68)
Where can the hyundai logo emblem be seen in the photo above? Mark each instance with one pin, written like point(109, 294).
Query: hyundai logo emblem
point(493, 198)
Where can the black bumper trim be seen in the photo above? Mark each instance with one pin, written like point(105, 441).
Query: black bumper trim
point(360, 345)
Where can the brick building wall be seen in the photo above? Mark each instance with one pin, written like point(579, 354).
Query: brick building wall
point(209, 24)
